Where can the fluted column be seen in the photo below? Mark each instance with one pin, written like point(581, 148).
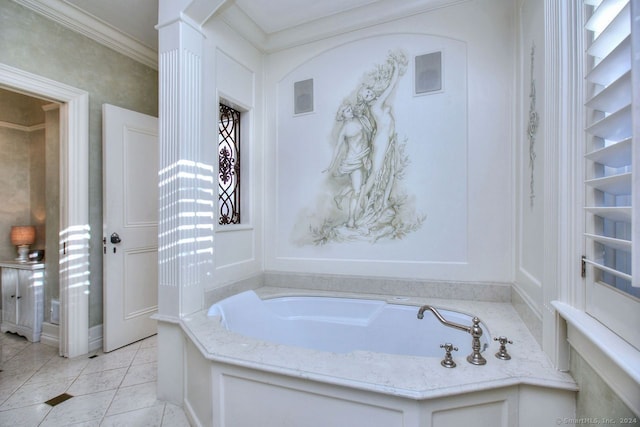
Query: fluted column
point(563, 113)
point(185, 240)
point(185, 181)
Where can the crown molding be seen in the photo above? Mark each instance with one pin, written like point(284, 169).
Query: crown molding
point(22, 128)
point(358, 18)
point(379, 12)
point(74, 19)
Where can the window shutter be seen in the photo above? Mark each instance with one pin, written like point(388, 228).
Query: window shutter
point(610, 148)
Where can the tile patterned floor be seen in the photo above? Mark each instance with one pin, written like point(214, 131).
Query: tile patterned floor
point(111, 389)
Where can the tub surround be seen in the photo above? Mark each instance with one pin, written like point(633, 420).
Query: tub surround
point(408, 377)
point(419, 378)
point(345, 325)
point(475, 291)
point(358, 285)
point(394, 286)
point(479, 291)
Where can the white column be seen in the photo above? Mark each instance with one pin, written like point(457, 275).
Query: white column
point(186, 195)
point(181, 173)
point(563, 114)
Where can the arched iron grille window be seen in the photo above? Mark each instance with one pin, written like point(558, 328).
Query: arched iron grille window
point(229, 165)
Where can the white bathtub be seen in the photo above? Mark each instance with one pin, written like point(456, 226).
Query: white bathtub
point(343, 325)
point(284, 361)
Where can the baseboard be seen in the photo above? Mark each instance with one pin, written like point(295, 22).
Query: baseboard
point(50, 334)
point(95, 338)
point(191, 415)
point(528, 312)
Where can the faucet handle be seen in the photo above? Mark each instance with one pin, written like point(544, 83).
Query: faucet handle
point(502, 351)
point(448, 362)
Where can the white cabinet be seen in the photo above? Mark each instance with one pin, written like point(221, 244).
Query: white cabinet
point(22, 299)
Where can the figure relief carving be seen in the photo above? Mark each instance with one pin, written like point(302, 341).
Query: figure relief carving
point(368, 164)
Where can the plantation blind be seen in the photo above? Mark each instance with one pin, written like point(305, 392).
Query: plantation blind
point(610, 196)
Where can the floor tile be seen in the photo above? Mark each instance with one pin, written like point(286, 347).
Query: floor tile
point(151, 416)
point(19, 364)
point(31, 394)
point(58, 369)
point(90, 407)
point(9, 383)
point(97, 381)
point(145, 355)
point(10, 348)
point(105, 361)
point(149, 342)
point(28, 416)
point(112, 389)
point(133, 397)
point(174, 416)
point(138, 374)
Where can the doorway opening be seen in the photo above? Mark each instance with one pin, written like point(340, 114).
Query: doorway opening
point(74, 232)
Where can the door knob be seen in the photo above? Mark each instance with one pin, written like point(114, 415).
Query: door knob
point(115, 238)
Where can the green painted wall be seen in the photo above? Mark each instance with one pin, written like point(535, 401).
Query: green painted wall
point(596, 400)
point(33, 43)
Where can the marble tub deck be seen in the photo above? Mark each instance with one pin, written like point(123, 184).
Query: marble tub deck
point(410, 377)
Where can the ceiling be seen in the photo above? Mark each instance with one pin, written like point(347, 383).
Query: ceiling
point(278, 15)
point(129, 25)
point(138, 18)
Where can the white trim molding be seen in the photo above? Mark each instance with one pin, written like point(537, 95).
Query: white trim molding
point(565, 320)
point(50, 334)
point(23, 128)
point(615, 360)
point(95, 338)
point(74, 201)
point(563, 113)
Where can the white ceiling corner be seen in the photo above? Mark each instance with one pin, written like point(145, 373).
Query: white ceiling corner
point(274, 16)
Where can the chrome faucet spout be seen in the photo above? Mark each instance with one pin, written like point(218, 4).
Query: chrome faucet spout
point(475, 358)
point(442, 319)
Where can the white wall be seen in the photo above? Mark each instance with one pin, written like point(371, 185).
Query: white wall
point(460, 143)
point(431, 127)
point(530, 251)
point(233, 71)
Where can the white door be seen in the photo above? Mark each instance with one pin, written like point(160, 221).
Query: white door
point(130, 218)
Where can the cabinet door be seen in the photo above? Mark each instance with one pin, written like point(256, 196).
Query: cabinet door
point(27, 280)
point(9, 294)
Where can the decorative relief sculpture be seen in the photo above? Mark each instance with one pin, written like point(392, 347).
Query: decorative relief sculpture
point(368, 165)
point(532, 128)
